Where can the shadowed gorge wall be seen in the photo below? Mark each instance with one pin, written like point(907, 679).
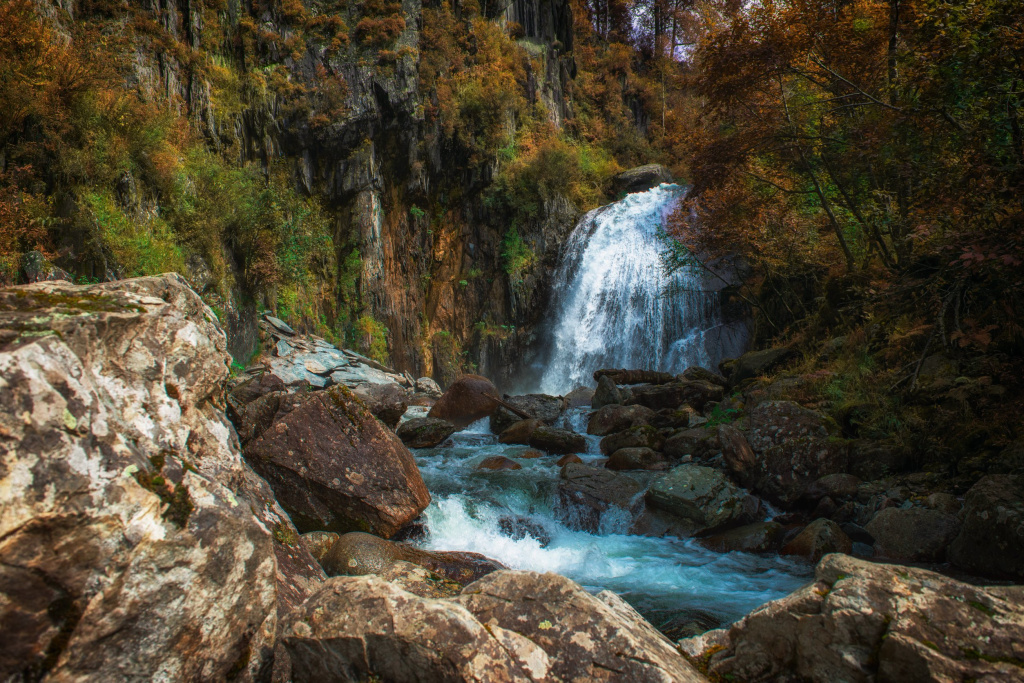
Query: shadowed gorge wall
point(395, 176)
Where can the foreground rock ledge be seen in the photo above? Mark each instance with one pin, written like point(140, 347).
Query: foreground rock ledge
point(129, 542)
point(873, 622)
point(508, 626)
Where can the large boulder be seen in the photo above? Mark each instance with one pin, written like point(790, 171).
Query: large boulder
point(616, 418)
point(861, 621)
point(557, 441)
point(336, 468)
point(640, 179)
point(704, 496)
point(386, 402)
point(542, 407)
point(425, 432)
point(586, 494)
point(356, 554)
point(912, 535)
point(794, 449)
point(362, 628)
point(991, 541)
point(468, 399)
point(585, 637)
point(129, 543)
point(635, 437)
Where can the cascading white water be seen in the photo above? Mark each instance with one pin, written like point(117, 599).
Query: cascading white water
point(616, 306)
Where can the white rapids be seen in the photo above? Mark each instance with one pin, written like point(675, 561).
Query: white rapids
point(679, 586)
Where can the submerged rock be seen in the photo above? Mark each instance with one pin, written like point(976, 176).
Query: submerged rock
point(425, 432)
point(861, 621)
point(336, 468)
point(586, 493)
point(498, 462)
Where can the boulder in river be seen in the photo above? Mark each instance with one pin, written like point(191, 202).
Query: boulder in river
point(819, 538)
point(541, 407)
point(557, 441)
point(607, 393)
point(568, 459)
point(134, 541)
point(520, 432)
point(586, 493)
point(356, 554)
point(704, 496)
point(468, 399)
point(636, 459)
point(616, 418)
point(585, 637)
point(580, 397)
point(635, 437)
point(759, 537)
point(913, 534)
point(425, 432)
point(862, 621)
point(336, 468)
point(991, 541)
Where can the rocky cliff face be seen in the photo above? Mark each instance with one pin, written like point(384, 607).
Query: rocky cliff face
point(332, 95)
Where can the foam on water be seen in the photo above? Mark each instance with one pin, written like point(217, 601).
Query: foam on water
point(678, 585)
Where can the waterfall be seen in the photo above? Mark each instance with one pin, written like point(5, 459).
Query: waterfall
point(614, 304)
